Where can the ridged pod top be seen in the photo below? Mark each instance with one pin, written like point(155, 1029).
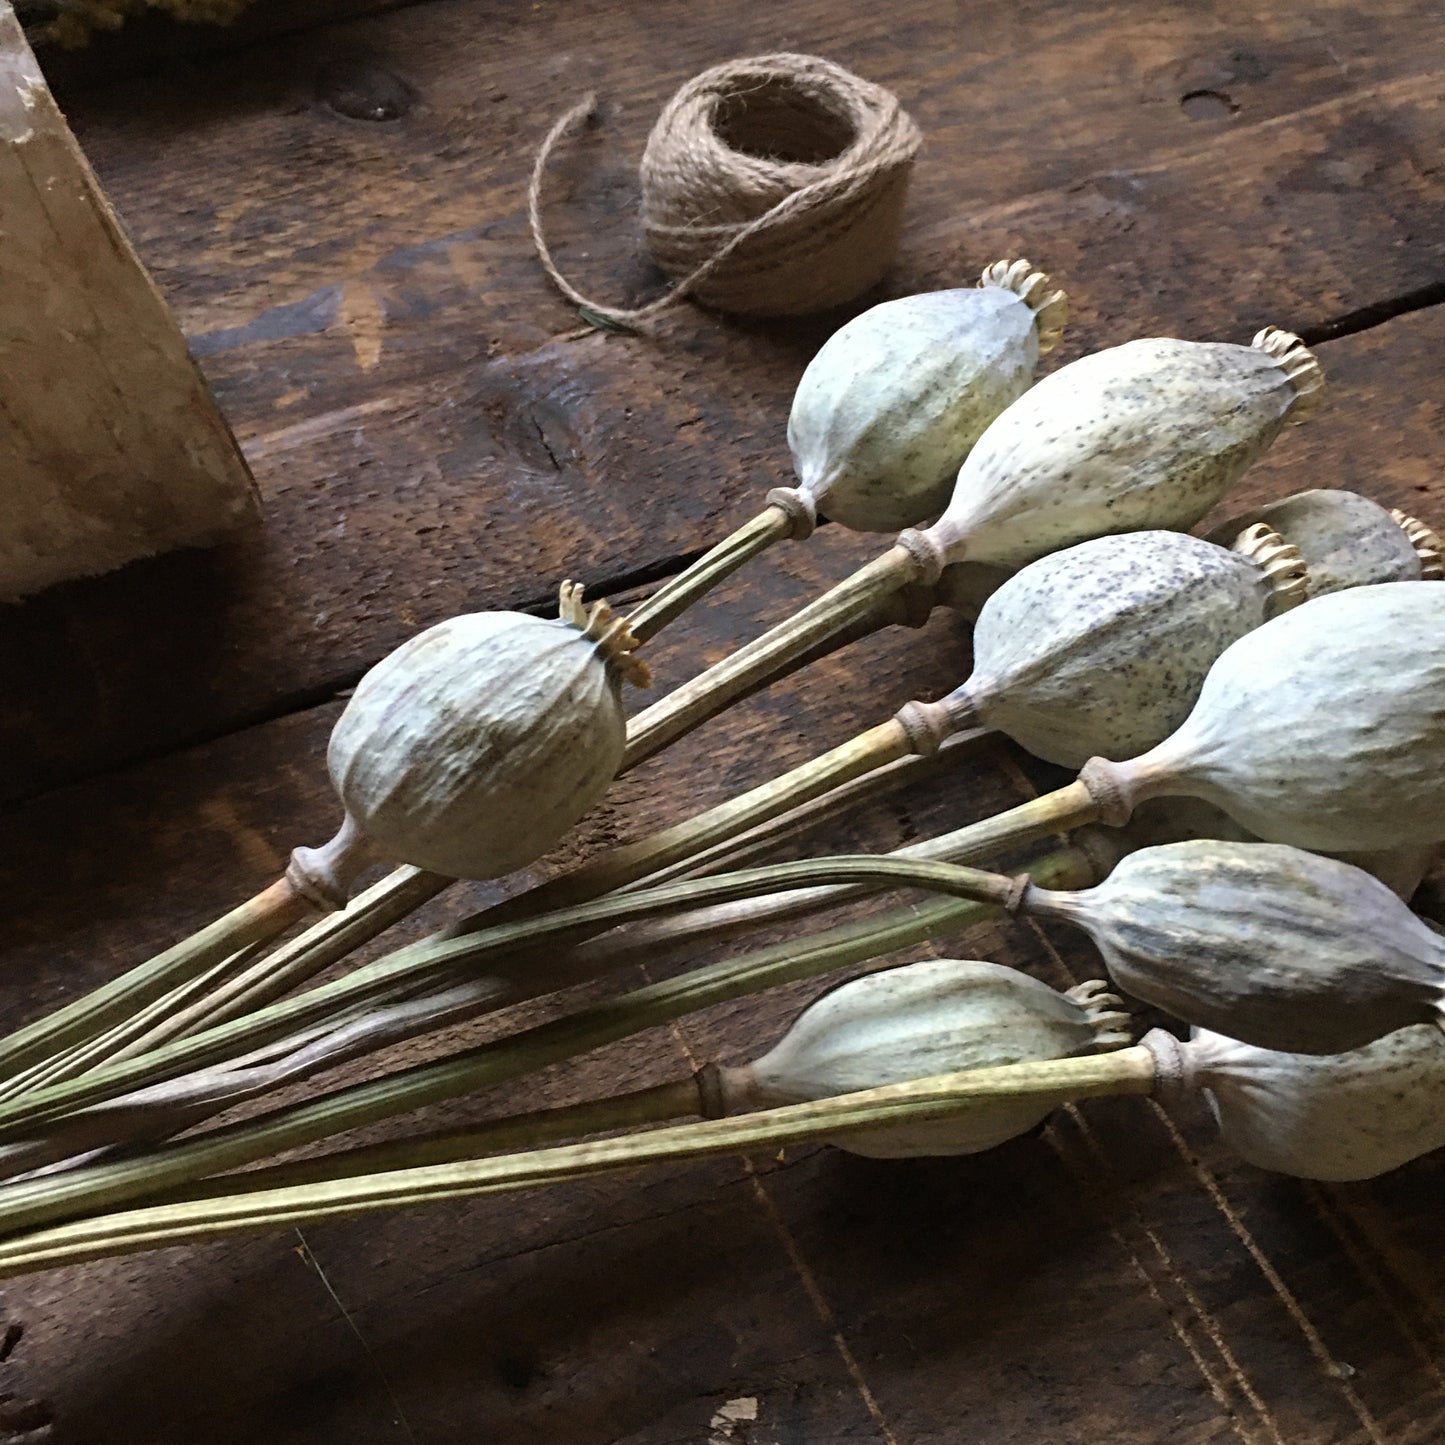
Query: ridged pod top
point(889, 407)
point(1150, 434)
point(922, 1019)
point(1428, 548)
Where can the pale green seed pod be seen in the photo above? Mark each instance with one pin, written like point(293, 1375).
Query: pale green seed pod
point(1346, 540)
point(1271, 945)
point(1151, 434)
point(1101, 649)
point(1324, 728)
point(472, 748)
point(1342, 1116)
point(890, 406)
point(923, 1019)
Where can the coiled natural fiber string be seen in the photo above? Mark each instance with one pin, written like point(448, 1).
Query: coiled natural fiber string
point(771, 186)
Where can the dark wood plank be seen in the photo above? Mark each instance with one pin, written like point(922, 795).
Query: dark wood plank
point(182, 837)
point(1114, 1275)
point(1106, 1274)
point(364, 299)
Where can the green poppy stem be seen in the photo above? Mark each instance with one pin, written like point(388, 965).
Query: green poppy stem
point(87, 1189)
point(1126, 1071)
point(689, 706)
point(677, 594)
point(1068, 808)
point(258, 920)
point(661, 1103)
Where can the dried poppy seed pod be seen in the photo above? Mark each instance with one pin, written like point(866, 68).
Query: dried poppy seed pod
point(1149, 434)
point(1324, 728)
point(889, 407)
point(1342, 1116)
point(1280, 562)
point(1271, 945)
point(923, 1019)
point(1101, 649)
point(472, 748)
point(1174, 820)
point(1346, 540)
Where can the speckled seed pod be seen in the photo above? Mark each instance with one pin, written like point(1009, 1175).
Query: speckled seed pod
point(1271, 945)
point(924, 1019)
point(1149, 434)
point(472, 748)
point(1346, 540)
point(1101, 649)
point(1342, 1116)
point(1324, 728)
point(890, 406)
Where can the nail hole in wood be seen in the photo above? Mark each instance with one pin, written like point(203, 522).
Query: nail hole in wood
point(515, 1373)
point(1207, 105)
point(364, 92)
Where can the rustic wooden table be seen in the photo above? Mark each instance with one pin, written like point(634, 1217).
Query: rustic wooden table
point(363, 297)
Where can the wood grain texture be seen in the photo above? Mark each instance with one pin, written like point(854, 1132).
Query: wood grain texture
point(1084, 1284)
point(110, 445)
point(366, 304)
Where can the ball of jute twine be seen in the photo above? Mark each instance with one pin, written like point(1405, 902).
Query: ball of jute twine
point(771, 186)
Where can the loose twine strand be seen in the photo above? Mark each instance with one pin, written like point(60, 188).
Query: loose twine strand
point(772, 185)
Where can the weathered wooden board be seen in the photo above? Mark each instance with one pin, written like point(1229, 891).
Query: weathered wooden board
point(380, 335)
point(184, 835)
point(367, 306)
point(1105, 1276)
